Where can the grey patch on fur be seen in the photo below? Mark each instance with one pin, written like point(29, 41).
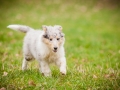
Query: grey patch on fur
point(28, 59)
point(53, 32)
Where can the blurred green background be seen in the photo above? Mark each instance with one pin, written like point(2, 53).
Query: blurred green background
point(92, 32)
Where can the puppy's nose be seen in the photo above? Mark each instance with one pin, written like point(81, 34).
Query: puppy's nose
point(55, 48)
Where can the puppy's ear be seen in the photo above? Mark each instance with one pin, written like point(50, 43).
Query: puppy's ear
point(62, 34)
point(44, 27)
point(60, 27)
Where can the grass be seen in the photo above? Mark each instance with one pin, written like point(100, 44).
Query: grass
point(92, 32)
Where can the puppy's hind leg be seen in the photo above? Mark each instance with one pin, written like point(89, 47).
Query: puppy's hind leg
point(24, 64)
point(26, 59)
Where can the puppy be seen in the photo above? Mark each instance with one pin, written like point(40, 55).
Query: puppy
point(46, 46)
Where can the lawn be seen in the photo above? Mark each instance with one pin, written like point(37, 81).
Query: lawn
point(92, 32)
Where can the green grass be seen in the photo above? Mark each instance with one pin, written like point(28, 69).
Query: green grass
point(92, 46)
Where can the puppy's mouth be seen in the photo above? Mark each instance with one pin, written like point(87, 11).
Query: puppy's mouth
point(54, 50)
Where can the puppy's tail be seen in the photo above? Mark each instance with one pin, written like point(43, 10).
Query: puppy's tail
point(21, 28)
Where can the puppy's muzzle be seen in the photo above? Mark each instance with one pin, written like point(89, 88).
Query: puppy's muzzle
point(55, 49)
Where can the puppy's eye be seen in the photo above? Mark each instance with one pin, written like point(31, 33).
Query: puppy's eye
point(50, 39)
point(58, 39)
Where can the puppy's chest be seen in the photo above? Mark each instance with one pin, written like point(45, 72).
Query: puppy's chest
point(51, 57)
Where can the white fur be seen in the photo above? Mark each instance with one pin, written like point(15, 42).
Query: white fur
point(35, 48)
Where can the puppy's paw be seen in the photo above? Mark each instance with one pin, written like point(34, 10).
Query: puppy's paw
point(24, 68)
point(63, 72)
point(46, 74)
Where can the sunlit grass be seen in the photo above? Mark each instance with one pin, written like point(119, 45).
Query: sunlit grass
point(92, 45)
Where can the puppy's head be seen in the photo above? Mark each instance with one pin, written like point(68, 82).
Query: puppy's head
point(53, 37)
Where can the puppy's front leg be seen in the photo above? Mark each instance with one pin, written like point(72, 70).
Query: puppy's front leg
point(61, 63)
point(44, 68)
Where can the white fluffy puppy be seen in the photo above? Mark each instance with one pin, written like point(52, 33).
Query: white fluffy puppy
point(45, 46)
